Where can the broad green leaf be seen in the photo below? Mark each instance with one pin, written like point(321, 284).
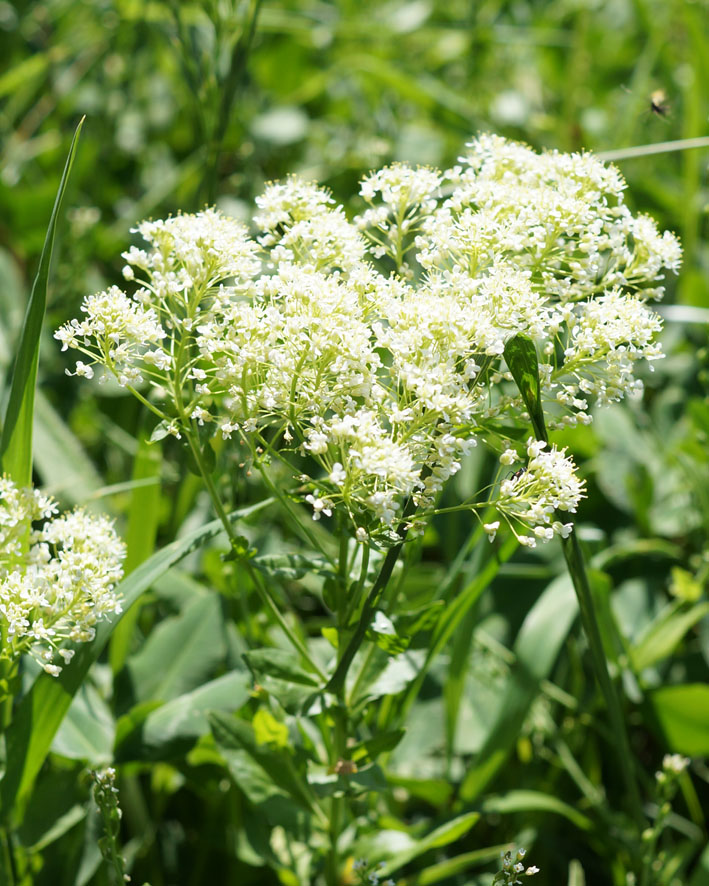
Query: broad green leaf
point(16, 440)
point(683, 715)
point(172, 728)
point(535, 801)
point(536, 648)
point(279, 673)
point(442, 836)
point(56, 805)
point(59, 457)
point(665, 634)
point(237, 735)
point(87, 731)
point(42, 709)
point(143, 520)
point(521, 358)
point(437, 792)
point(383, 633)
point(181, 652)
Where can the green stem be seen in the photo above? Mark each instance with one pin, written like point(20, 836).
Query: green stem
point(7, 861)
point(261, 588)
point(579, 578)
point(338, 679)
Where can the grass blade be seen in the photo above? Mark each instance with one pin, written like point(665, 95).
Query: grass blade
point(16, 441)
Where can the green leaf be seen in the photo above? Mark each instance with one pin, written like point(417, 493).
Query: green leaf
point(279, 663)
point(42, 709)
point(457, 865)
point(441, 836)
point(521, 358)
point(278, 671)
point(233, 735)
point(59, 457)
point(88, 730)
point(685, 586)
point(665, 634)
point(268, 730)
point(437, 792)
point(536, 648)
point(576, 874)
point(143, 520)
point(172, 728)
point(383, 633)
point(535, 801)
point(683, 715)
point(370, 749)
point(292, 566)
point(181, 652)
point(16, 441)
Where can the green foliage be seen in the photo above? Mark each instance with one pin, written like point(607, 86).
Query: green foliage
point(472, 716)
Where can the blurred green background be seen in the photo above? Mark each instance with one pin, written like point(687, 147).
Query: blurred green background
point(194, 103)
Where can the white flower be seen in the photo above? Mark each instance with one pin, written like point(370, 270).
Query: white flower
point(491, 529)
point(62, 584)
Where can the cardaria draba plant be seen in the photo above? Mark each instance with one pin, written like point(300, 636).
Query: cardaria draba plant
point(57, 577)
point(376, 347)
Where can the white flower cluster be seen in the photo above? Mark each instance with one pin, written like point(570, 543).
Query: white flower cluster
point(532, 495)
point(385, 376)
point(57, 576)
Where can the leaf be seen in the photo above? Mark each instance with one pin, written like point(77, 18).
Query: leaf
point(143, 521)
point(437, 792)
point(441, 836)
point(181, 652)
point(292, 566)
point(453, 615)
point(536, 648)
point(59, 457)
point(576, 874)
point(88, 730)
point(370, 749)
point(268, 730)
point(383, 633)
point(665, 634)
point(42, 709)
point(521, 358)
point(279, 663)
point(278, 672)
point(535, 801)
point(457, 865)
point(683, 716)
point(16, 441)
point(236, 735)
point(171, 729)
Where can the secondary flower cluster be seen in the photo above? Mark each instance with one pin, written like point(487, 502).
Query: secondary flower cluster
point(57, 575)
point(375, 348)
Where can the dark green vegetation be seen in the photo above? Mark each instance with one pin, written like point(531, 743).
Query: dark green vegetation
point(508, 730)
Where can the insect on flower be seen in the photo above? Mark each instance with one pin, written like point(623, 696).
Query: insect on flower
point(658, 103)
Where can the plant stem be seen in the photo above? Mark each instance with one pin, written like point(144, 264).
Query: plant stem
point(7, 862)
point(337, 681)
point(258, 583)
point(579, 578)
